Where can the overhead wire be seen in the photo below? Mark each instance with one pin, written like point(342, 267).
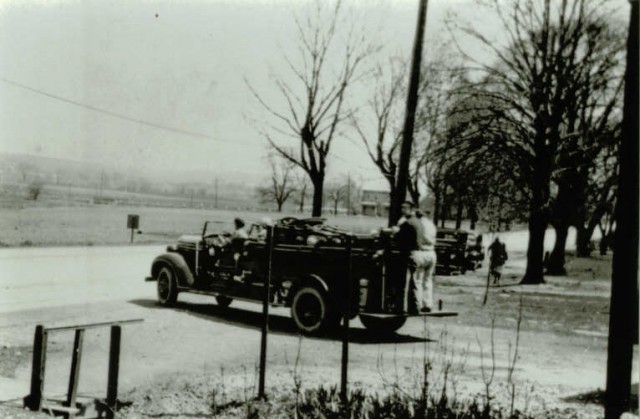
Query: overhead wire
point(120, 116)
point(148, 123)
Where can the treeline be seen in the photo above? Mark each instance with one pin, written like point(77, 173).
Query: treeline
point(525, 127)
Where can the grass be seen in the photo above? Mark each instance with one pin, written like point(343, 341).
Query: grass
point(106, 225)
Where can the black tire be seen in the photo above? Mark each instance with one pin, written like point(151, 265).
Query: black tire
point(223, 301)
point(311, 311)
point(167, 286)
point(382, 325)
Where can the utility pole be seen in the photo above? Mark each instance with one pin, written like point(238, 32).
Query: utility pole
point(410, 115)
point(623, 318)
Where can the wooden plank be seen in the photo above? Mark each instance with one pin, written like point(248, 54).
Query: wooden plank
point(74, 375)
point(59, 410)
point(92, 325)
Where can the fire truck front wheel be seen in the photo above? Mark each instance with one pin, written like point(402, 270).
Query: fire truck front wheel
point(382, 325)
point(310, 310)
point(167, 286)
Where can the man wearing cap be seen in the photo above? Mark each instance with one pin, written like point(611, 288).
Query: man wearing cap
point(411, 242)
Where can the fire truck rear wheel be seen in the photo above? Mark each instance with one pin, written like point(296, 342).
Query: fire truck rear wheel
point(310, 310)
point(382, 325)
point(223, 301)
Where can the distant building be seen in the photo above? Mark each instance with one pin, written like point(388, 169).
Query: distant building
point(375, 202)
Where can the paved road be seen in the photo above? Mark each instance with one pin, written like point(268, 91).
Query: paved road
point(37, 278)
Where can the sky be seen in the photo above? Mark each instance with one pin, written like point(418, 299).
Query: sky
point(183, 65)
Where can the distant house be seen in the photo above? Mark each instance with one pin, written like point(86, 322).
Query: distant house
point(375, 202)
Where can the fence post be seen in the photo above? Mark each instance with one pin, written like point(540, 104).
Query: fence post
point(346, 309)
point(34, 400)
point(74, 375)
point(114, 367)
point(265, 314)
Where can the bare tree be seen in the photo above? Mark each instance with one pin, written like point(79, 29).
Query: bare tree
point(532, 83)
point(281, 185)
point(382, 144)
point(586, 162)
point(386, 111)
point(302, 186)
point(342, 192)
point(315, 92)
point(336, 193)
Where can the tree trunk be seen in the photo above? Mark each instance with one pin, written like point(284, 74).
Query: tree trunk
point(583, 241)
point(280, 206)
point(535, 251)
point(303, 193)
point(555, 264)
point(584, 235)
point(414, 193)
point(538, 206)
point(623, 321)
point(392, 198)
point(459, 209)
point(444, 211)
point(436, 207)
point(318, 189)
point(473, 216)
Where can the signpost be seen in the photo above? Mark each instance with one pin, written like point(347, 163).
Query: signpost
point(133, 222)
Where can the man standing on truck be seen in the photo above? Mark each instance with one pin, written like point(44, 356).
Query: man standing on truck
point(429, 247)
point(410, 238)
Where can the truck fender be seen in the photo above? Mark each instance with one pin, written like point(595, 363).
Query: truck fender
point(309, 280)
point(177, 263)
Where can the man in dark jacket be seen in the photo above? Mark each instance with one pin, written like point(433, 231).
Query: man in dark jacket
point(411, 241)
point(497, 257)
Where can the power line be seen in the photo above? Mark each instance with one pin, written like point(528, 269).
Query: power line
point(120, 116)
point(147, 123)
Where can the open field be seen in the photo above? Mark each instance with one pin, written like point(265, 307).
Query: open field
point(106, 225)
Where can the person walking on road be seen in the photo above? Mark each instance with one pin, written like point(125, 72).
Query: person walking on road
point(497, 258)
point(411, 241)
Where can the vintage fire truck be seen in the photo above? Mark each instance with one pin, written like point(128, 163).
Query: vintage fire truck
point(319, 271)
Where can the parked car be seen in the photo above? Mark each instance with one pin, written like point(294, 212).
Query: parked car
point(458, 251)
point(451, 248)
point(310, 267)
